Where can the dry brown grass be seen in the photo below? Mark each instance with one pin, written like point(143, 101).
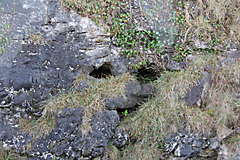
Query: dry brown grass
point(90, 100)
point(111, 152)
point(214, 20)
point(164, 114)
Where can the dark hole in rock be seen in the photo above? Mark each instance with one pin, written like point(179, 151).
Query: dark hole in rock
point(147, 74)
point(102, 72)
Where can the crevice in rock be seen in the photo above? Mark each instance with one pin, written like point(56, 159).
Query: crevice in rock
point(147, 74)
point(124, 113)
point(102, 72)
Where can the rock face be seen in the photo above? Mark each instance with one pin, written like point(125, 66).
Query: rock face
point(67, 140)
point(229, 57)
point(49, 47)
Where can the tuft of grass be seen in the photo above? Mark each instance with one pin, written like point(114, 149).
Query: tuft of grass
point(111, 152)
point(217, 20)
point(232, 144)
point(90, 100)
point(156, 119)
point(233, 140)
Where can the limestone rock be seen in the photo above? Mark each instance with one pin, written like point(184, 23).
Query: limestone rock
point(186, 145)
point(120, 138)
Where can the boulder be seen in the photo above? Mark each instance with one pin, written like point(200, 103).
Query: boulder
point(196, 95)
point(135, 94)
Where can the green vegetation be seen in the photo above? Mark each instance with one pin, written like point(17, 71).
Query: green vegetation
point(233, 139)
point(4, 32)
point(135, 37)
point(125, 113)
point(176, 24)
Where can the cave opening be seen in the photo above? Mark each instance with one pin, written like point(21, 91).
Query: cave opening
point(102, 72)
point(147, 74)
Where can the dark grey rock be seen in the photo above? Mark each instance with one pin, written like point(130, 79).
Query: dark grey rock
point(120, 137)
point(4, 98)
point(170, 146)
point(133, 88)
point(193, 95)
point(197, 94)
point(214, 144)
point(22, 99)
point(186, 145)
point(134, 95)
point(67, 141)
point(187, 140)
point(147, 90)
point(197, 143)
point(3, 93)
point(81, 86)
point(237, 157)
point(21, 78)
point(183, 150)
